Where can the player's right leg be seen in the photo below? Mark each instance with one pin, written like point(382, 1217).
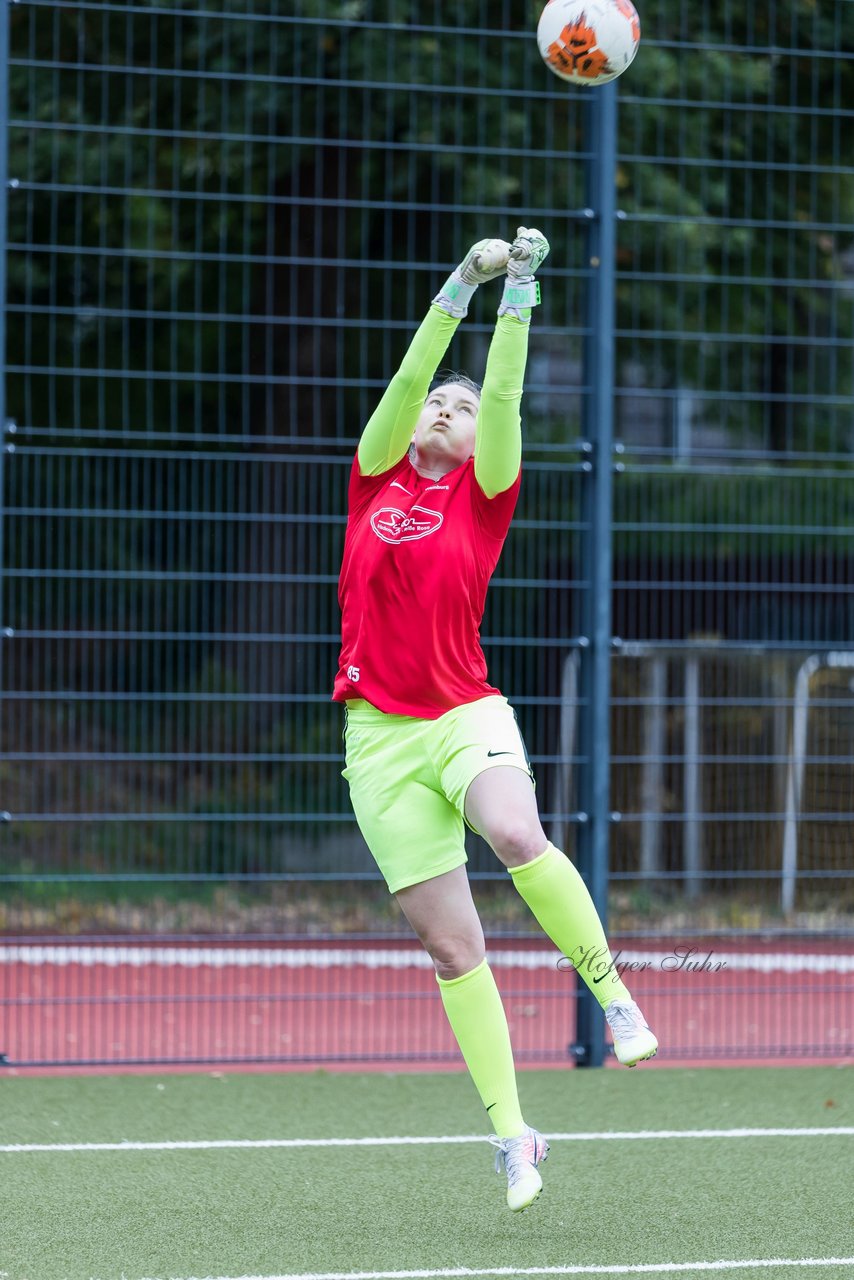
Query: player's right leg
point(443, 914)
point(417, 840)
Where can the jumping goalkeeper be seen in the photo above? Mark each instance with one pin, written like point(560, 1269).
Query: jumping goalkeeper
point(430, 744)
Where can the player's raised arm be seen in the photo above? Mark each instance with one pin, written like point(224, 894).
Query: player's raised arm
point(498, 438)
point(388, 433)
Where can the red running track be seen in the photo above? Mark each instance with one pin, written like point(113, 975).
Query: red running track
point(376, 1006)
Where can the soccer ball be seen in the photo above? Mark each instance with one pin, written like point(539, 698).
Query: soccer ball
point(588, 41)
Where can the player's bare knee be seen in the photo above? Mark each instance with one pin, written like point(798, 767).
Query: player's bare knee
point(452, 961)
point(517, 843)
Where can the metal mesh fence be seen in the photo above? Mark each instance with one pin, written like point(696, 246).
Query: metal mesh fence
point(223, 225)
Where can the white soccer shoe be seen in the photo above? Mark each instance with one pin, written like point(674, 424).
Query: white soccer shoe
point(520, 1157)
point(633, 1040)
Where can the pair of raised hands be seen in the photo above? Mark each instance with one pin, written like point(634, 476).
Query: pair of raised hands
point(489, 259)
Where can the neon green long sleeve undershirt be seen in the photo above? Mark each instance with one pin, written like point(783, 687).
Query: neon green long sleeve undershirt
point(498, 433)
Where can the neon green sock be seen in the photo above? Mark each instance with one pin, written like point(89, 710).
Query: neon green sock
point(559, 899)
point(477, 1019)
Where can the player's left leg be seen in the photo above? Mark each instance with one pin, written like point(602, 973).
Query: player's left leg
point(500, 804)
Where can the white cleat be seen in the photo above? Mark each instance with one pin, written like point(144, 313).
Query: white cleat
point(633, 1040)
point(520, 1157)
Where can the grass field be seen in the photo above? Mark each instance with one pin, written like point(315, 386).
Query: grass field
point(654, 1201)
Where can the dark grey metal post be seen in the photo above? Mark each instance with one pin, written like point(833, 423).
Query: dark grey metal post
point(594, 726)
point(4, 185)
point(4, 434)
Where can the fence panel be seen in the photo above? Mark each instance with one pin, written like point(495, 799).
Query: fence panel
point(223, 227)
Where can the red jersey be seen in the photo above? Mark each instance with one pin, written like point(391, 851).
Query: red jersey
point(418, 556)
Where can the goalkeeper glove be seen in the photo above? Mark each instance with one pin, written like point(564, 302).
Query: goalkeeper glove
point(484, 261)
point(521, 291)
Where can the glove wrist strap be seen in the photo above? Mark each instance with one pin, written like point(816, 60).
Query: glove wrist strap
point(519, 297)
point(521, 293)
point(455, 295)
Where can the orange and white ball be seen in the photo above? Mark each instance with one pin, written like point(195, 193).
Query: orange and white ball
point(588, 41)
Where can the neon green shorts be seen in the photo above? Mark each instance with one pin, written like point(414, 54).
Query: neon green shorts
point(408, 780)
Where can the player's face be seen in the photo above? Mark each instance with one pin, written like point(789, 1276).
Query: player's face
point(446, 426)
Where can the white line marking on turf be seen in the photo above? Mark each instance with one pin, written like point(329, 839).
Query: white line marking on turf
point(392, 958)
point(629, 1269)
point(216, 1144)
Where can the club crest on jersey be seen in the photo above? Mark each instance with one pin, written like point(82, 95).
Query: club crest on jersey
point(393, 525)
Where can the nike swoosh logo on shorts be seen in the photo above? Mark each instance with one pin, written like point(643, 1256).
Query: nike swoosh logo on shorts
point(499, 753)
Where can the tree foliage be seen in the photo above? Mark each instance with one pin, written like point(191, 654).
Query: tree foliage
point(207, 180)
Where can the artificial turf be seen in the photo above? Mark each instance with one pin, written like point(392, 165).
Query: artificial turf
point(125, 1215)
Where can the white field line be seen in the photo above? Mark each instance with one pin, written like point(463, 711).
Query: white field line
point(627, 1269)
point(218, 1144)
point(409, 958)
